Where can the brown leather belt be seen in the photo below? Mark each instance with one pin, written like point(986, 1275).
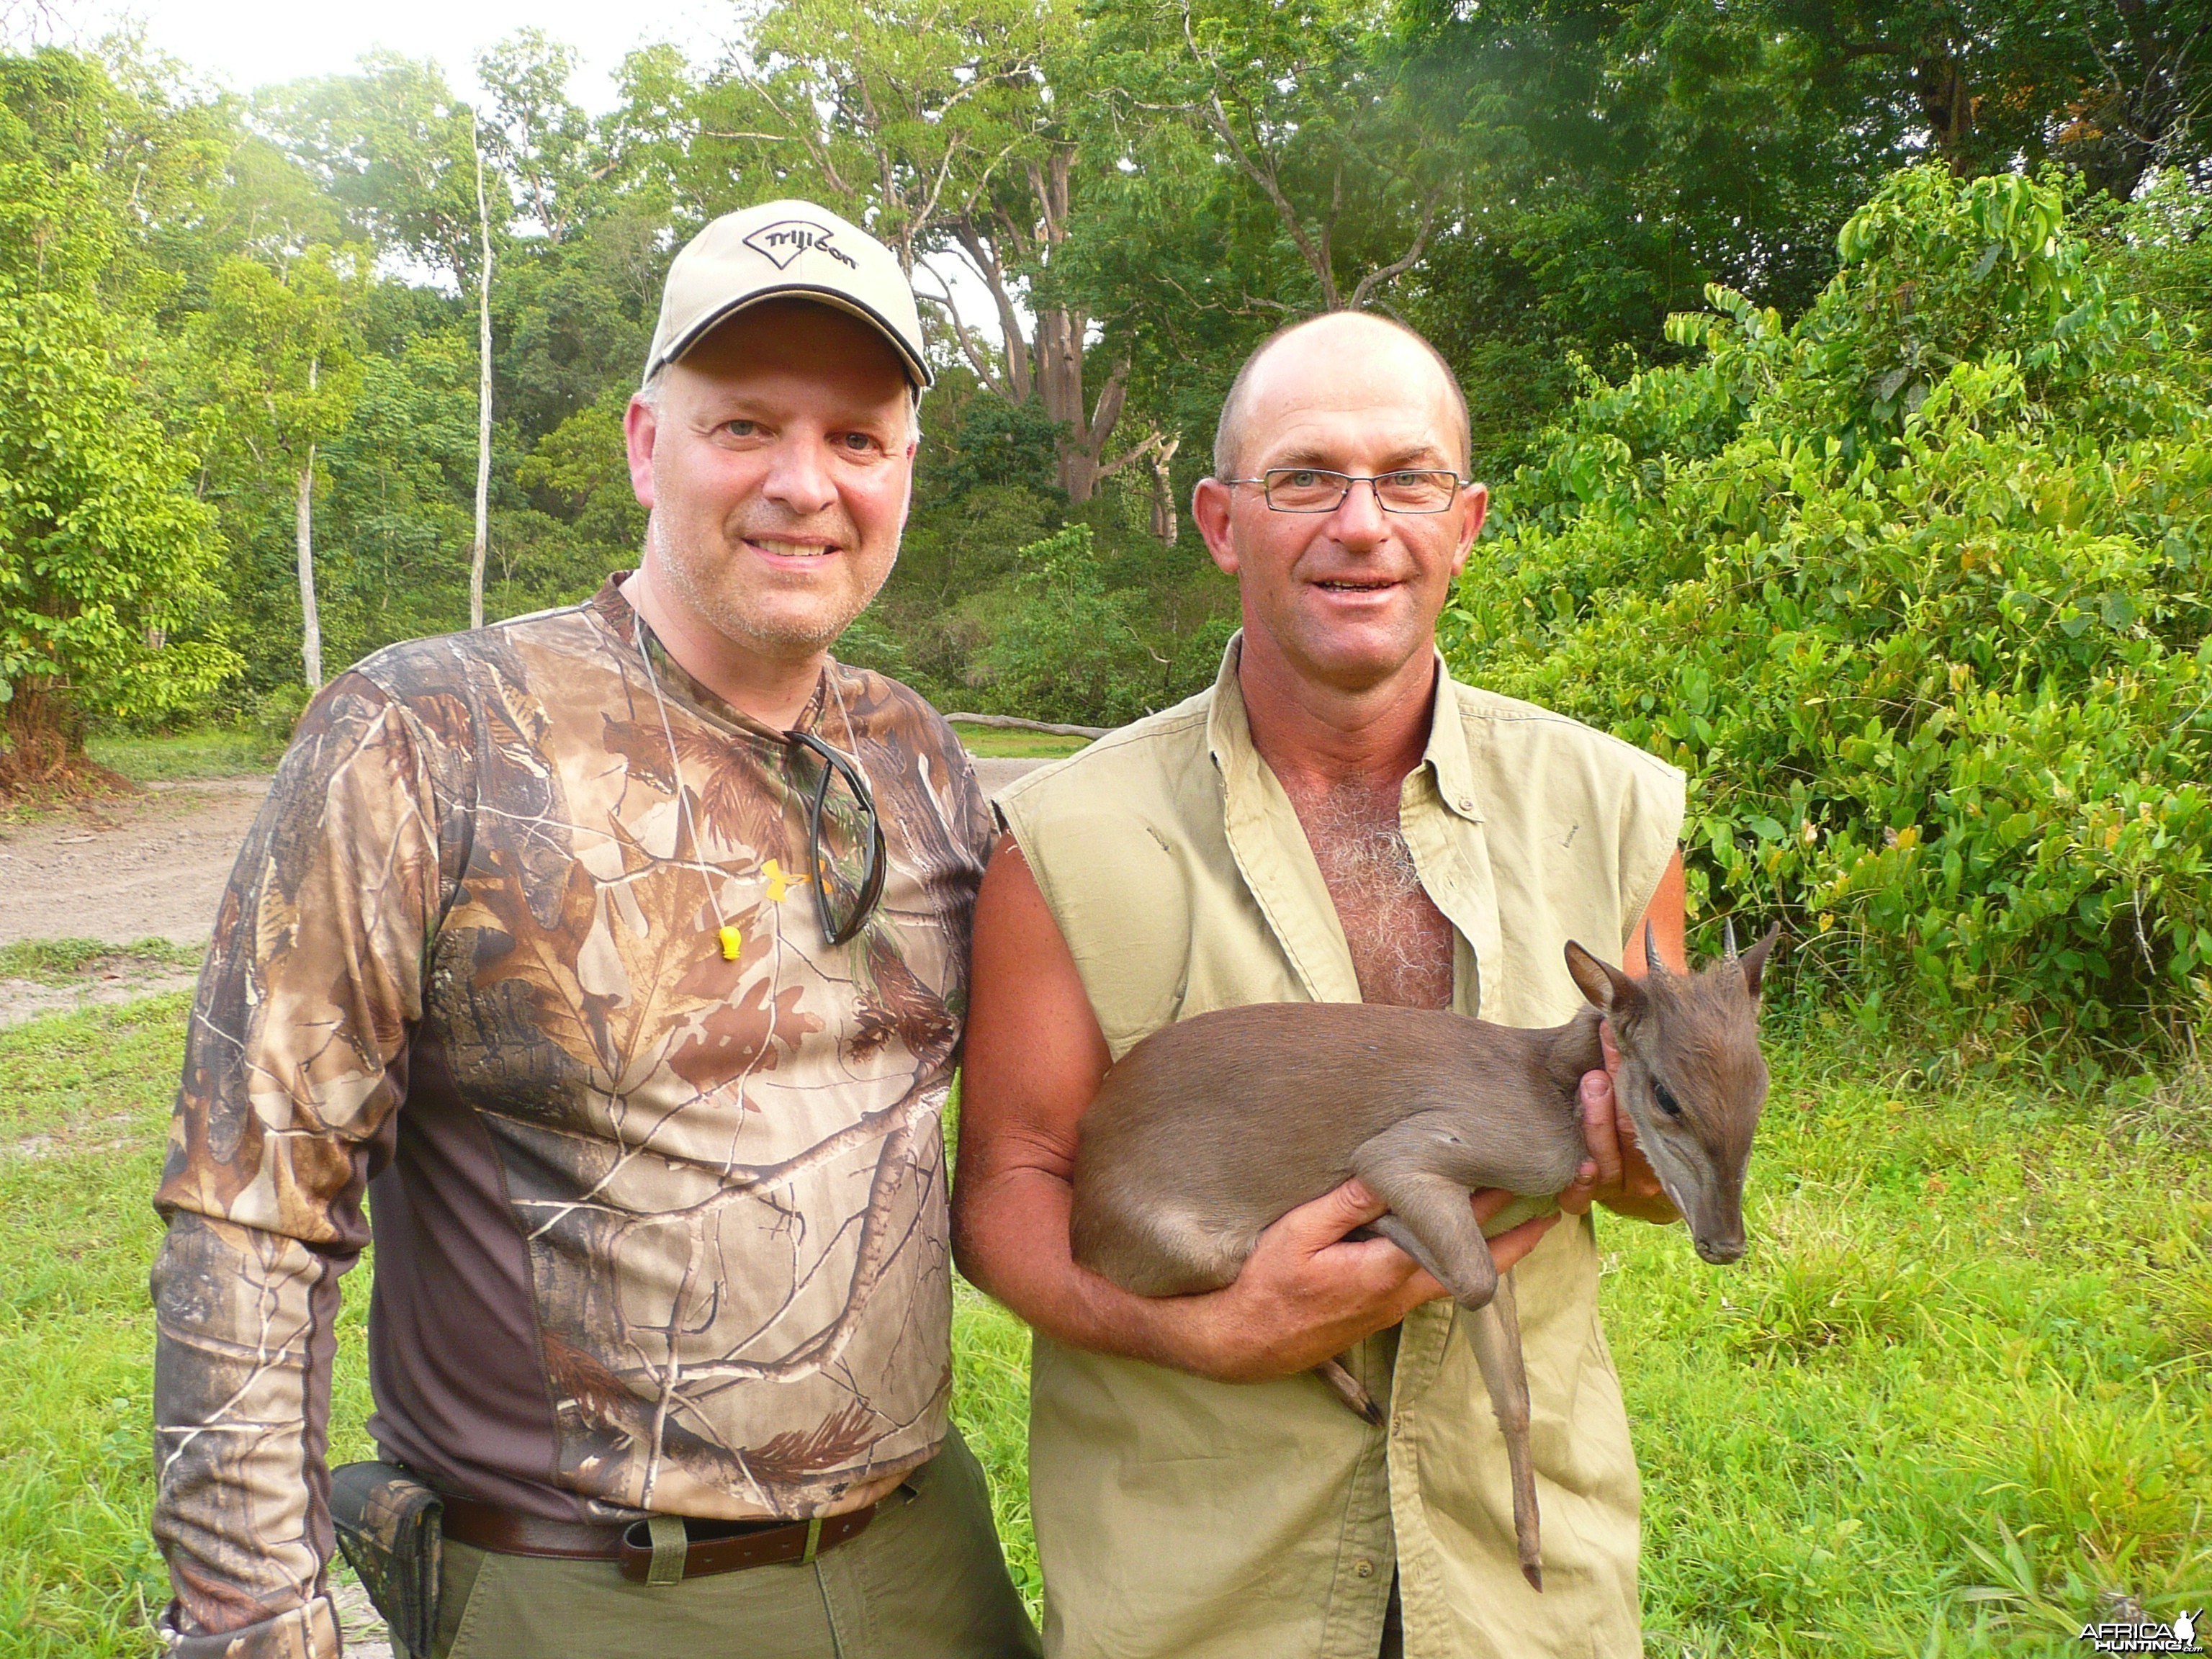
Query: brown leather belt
point(662, 1549)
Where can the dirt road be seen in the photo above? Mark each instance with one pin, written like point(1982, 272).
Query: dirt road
point(124, 870)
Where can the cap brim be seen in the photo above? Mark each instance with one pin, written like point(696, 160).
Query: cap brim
point(917, 371)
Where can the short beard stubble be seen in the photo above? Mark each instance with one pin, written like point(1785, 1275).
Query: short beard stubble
point(703, 587)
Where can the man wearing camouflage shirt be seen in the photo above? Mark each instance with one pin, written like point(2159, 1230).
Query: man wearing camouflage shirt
point(572, 942)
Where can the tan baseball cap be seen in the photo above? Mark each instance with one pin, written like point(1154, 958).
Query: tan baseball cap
point(785, 249)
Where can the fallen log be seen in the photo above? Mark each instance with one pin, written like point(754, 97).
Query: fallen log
point(1016, 723)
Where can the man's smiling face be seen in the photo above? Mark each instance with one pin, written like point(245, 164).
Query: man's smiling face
point(1348, 597)
point(778, 461)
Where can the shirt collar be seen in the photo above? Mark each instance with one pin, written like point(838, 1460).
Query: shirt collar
point(1229, 735)
point(620, 617)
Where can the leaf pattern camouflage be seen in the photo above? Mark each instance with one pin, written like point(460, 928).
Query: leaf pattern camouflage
point(469, 952)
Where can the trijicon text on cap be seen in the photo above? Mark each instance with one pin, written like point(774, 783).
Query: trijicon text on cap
point(785, 240)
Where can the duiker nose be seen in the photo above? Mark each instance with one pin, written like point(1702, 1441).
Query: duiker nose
point(1720, 1251)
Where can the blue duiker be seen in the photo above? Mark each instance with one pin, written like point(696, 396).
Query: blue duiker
point(1209, 1130)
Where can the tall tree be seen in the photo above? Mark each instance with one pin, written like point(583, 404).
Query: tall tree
point(403, 153)
point(545, 143)
point(480, 545)
point(945, 128)
point(1305, 103)
point(279, 351)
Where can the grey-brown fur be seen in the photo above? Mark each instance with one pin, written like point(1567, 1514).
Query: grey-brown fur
point(1210, 1130)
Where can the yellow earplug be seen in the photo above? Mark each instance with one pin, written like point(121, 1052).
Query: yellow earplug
point(733, 942)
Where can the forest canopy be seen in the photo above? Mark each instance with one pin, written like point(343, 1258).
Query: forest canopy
point(1839, 368)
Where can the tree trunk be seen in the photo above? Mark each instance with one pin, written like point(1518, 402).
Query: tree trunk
point(45, 739)
point(1164, 501)
point(482, 544)
point(1085, 431)
point(303, 532)
point(1939, 82)
point(1052, 360)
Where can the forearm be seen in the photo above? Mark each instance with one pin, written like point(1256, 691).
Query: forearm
point(244, 1322)
point(1012, 1239)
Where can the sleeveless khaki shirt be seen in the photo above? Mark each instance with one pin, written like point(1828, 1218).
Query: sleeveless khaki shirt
point(1189, 1519)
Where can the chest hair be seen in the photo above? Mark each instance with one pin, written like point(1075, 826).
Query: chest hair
point(1401, 944)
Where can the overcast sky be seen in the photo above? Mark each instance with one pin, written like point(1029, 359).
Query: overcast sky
point(250, 43)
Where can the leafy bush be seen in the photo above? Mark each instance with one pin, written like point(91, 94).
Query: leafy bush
point(107, 559)
point(1069, 649)
point(1072, 648)
point(1913, 590)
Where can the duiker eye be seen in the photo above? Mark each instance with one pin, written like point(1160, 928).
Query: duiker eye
point(1667, 1103)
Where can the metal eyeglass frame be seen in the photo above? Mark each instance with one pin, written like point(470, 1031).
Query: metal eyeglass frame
point(1372, 480)
point(871, 874)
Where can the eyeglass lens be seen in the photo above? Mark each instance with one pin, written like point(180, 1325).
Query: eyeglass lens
point(1303, 490)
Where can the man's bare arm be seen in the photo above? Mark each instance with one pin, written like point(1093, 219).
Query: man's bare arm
point(1034, 1058)
point(1623, 1181)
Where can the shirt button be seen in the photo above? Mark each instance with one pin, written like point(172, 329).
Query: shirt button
point(1363, 1568)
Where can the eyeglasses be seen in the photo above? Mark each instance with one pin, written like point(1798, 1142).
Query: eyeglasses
point(1308, 490)
point(844, 910)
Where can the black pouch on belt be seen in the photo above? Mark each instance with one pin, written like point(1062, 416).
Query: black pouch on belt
point(388, 1528)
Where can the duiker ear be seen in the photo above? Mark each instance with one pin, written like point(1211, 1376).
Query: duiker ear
point(1754, 960)
point(1610, 991)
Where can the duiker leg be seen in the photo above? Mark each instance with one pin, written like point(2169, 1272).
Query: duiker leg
point(1350, 1390)
point(1442, 1209)
point(1494, 1331)
point(1432, 1221)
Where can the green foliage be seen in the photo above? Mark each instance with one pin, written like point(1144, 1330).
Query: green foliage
point(1536, 185)
point(106, 560)
point(991, 1404)
point(84, 1102)
point(177, 756)
point(1068, 645)
point(1913, 589)
point(581, 468)
point(278, 351)
point(1072, 647)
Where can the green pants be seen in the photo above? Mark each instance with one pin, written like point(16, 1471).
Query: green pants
point(925, 1581)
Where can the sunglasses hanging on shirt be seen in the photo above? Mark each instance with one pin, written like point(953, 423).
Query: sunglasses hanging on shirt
point(845, 910)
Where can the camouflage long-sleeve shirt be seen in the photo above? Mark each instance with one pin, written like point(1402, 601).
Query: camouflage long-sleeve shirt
point(656, 1231)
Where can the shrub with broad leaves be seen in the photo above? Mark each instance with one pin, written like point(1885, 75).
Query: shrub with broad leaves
point(1914, 590)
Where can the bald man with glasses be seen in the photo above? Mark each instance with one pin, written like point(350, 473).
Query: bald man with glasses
point(1336, 820)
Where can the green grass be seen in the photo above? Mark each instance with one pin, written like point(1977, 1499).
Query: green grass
point(174, 756)
point(84, 1102)
point(66, 961)
point(1961, 1388)
point(998, 743)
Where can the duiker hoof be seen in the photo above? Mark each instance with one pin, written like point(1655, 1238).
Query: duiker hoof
point(1349, 1389)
